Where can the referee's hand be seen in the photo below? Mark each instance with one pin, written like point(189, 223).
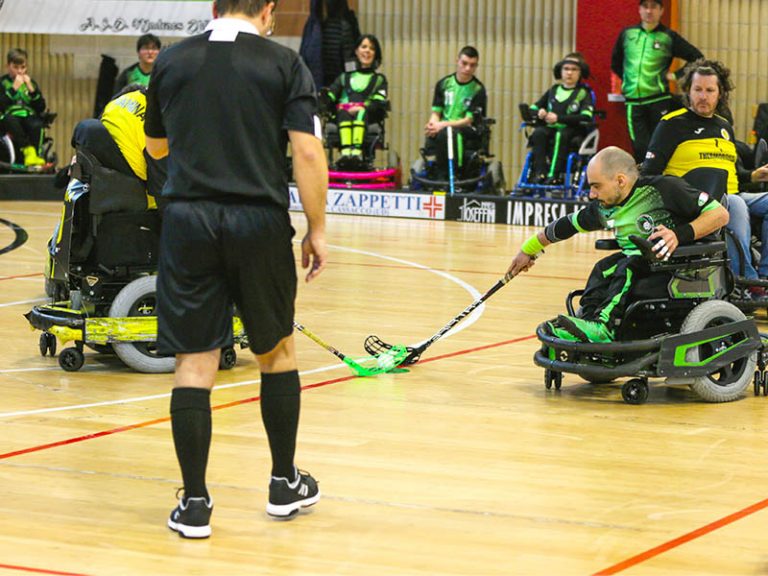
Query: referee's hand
point(314, 252)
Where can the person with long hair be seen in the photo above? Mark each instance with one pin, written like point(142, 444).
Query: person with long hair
point(698, 139)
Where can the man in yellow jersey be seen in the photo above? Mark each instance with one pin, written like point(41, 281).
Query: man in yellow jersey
point(123, 117)
point(697, 140)
point(117, 140)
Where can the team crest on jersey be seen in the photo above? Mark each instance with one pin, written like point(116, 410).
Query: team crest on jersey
point(656, 45)
point(650, 155)
point(725, 134)
point(645, 223)
point(703, 199)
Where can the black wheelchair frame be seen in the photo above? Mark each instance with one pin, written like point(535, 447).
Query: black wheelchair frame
point(690, 337)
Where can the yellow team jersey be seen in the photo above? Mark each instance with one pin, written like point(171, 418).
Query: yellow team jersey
point(684, 141)
point(124, 119)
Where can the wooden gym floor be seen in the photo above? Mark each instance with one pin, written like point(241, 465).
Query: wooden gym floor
point(463, 465)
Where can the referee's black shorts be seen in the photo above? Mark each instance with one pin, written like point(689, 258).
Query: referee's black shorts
point(215, 254)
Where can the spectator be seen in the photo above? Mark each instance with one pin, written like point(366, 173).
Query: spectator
point(641, 58)
point(697, 138)
point(457, 98)
point(565, 109)
point(147, 47)
point(359, 97)
point(21, 105)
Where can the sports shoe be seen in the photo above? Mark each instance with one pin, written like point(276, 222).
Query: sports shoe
point(286, 499)
point(561, 333)
point(585, 330)
point(192, 517)
point(31, 158)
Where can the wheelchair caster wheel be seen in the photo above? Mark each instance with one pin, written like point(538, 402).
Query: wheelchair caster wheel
point(71, 359)
point(757, 381)
point(553, 378)
point(228, 358)
point(47, 344)
point(635, 391)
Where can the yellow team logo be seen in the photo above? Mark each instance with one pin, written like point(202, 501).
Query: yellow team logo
point(724, 133)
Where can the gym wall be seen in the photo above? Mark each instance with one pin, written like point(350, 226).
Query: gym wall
point(519, 41)
point(735, 32)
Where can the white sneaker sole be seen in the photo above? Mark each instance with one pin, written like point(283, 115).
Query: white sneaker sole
point(289, 510)
point(190, 531)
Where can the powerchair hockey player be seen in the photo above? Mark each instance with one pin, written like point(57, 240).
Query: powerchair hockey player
point(101, 271)
point(659, 285)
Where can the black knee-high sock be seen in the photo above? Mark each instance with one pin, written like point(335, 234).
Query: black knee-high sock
point(191, 425)
point(280, 406)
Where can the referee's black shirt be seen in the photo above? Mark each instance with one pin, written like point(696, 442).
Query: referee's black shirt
point(225, 100)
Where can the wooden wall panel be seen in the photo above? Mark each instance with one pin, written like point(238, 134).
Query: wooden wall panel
point(736, 33)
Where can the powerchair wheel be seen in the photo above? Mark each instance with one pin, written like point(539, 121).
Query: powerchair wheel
point(635, 391)
point(71, 359)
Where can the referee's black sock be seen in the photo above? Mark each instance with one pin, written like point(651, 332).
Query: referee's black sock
point(191, 425)
point(280, 406)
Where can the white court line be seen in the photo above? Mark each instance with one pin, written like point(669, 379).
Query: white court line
point(143, 398)
point(471, 319)
point(23, 302)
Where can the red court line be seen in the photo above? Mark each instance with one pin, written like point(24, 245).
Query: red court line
point(113, 431)
point(679, 541)
point(38, 570)
point(20, 276)
point(615, 569)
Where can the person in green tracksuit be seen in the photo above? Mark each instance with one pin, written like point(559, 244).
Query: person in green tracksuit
point(147, 48)
point(565, 110)
point(641, 58)
point(457, 99)
point(21, 105)
point(359, 97)
point(664, 209)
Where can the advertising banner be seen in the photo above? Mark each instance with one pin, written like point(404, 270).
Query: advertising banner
point(105, 17)
point(376, 203)
point(508, 210)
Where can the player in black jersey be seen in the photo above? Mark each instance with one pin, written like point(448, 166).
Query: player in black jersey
point(565, 109)
point(227, 234)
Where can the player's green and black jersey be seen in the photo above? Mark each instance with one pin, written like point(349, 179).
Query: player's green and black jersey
point(456, 101)
point(364, 86)
point(654, 200)
point(642, 58)
point(684, 141)
point(20, 102)
point(131, 75)
point(573, 106)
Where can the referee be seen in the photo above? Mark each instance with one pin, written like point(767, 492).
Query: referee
point(222, 105)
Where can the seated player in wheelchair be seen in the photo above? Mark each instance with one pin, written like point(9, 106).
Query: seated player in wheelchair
point(23, 114)
point(111, 225)
point(663, 209)
point(358, 104)
point(459, 103)
point(562, 114)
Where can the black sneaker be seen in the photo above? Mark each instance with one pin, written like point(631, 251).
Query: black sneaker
point(286, 499)
point(192, 518)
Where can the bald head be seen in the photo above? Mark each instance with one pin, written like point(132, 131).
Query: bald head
point(613, 160)
point(612, 173)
